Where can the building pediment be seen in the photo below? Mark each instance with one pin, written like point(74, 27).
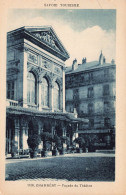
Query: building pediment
point(49, 40)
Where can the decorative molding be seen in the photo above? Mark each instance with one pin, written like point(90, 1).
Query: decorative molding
point(32, 57)
point(42, 54)
point(39, 70)
point(59, 81)
point(48, 38)
point(57, 70)
point(46, 64)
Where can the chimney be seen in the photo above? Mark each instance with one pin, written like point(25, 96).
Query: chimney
point(113, 61)
point(74, 65)
point(84, 61)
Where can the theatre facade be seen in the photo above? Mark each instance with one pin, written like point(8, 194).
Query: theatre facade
point(36, 86)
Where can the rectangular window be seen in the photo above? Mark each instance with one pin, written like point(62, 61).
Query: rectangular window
point(90, 92)
point(106, 73)
point(70, 79)
point(105, 90)
point(90, 76)
point(75, 94)
point(10, 90)
point(106, 106)
point(107, 122)
point(91, 123)
point(90, 108)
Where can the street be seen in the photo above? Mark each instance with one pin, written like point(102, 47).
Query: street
point(69, 167)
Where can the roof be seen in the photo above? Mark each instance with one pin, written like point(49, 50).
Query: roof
point(87, 66)
point(17, 110)
point(44, 37)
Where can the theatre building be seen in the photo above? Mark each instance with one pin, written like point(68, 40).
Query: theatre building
point(90, 88)
point(36, 86)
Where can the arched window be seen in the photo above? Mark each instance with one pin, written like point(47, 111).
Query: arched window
point(56, 96)
point(31, 88)
point(45, 92)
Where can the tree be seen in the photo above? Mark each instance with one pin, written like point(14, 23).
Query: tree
point(46, 138)
point(33, 143)
point(65, 139)
point(57, 141)
point(90, 141)
point(81, 142)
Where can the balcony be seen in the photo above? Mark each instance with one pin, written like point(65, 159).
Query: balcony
point(32, 106)
point(11, 102)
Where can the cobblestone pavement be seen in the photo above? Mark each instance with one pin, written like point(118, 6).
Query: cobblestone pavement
point(69, 167)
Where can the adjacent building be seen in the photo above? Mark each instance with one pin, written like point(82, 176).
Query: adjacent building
point(36, 86)
point(90, 89)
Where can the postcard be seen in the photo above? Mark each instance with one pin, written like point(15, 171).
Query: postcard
point(62, 95)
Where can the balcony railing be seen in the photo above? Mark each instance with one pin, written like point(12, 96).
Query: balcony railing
point(34, 106)
point(11, 102)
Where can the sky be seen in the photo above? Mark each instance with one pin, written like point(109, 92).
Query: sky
point(83, 32)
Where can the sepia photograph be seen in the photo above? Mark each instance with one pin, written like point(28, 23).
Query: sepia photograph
point(60, 95)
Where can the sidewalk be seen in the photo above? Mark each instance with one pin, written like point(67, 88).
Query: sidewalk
point(91, 154)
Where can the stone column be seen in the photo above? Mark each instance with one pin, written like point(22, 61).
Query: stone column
point(25, 137)
point(53, 133)
point(39, 95)
point(76, 132)
point(40, 146)
point(25, 79)
point(63, 90)
point(64, 131)
point(9, 131)
point(17, 133)
point(51, 88)
point(53, 129)
point(64, 134)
